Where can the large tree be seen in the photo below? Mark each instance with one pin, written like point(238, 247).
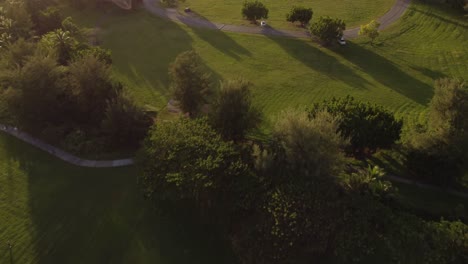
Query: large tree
point(187, 160)
point(190, 82)
point(233, 113)
point(369, 127)
point(254, 10)
point(328, 29)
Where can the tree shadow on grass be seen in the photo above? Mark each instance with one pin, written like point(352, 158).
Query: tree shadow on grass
point(210, 33)
point(81, 215)
point(311, 56)
point(143, 46)
point(387, 73)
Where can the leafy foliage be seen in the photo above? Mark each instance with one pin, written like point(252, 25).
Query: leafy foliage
point(368, 127)
point(233, 114)
point(254, 10)
point(328, 29)
point(307, 147)
point(437, 153)
point(370, 30)
point(190, 82)
point(299, 13)
point(186, 159)
point(49, 19)
point(124, 124)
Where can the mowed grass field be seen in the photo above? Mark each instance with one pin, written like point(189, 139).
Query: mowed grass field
point(354, 13)
point(57, 213)
point(429, 42)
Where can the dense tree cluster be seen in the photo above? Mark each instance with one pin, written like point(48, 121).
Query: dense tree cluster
point(57, 86)
point(291, 198)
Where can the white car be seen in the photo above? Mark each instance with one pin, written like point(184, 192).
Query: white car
point(342, 41)
point(263, 23)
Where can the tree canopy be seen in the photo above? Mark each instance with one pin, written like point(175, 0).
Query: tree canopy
point(368, 127)
point(254, 10)
point(299, 13)
point(190, 82)
point(370, 30)
point(328, 29)
point(233, 114)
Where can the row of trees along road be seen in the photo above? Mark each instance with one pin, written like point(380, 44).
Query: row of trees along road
point(326, 29)
point(289, 197)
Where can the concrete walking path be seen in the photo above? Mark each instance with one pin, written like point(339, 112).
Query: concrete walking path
point(63, 155)
point(172, 14)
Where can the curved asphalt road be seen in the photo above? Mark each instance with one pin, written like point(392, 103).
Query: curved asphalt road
point(172, 14)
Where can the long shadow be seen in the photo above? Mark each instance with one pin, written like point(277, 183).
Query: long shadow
point(441, 18)
point(434, 75)
point(210, 33)
point(78, 215)
point(303, 51)
point(143, 46)
point(387, 73)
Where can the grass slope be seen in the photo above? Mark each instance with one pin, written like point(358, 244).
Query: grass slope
point(354, 13)
point(57, 213)
point(428, 43)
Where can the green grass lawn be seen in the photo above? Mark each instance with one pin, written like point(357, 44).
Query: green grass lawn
point(428, 43)
point(57, 213)
point(354, 13)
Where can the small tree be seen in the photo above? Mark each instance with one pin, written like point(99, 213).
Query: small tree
point(328, 29)
point(301, 14)
point(190, 83)
point(254, 10)
point(370, 30)
point(233, 114)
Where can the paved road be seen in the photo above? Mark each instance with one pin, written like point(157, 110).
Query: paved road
point(172, 14)
point(65, 156)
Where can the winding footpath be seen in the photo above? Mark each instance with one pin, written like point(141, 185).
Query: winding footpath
point(172, 14)
point(63, 155)
point(72, 159)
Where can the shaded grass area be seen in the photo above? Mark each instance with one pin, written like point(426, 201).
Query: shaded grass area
point(432, 204)
point(353, 13)
point(57, 213)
